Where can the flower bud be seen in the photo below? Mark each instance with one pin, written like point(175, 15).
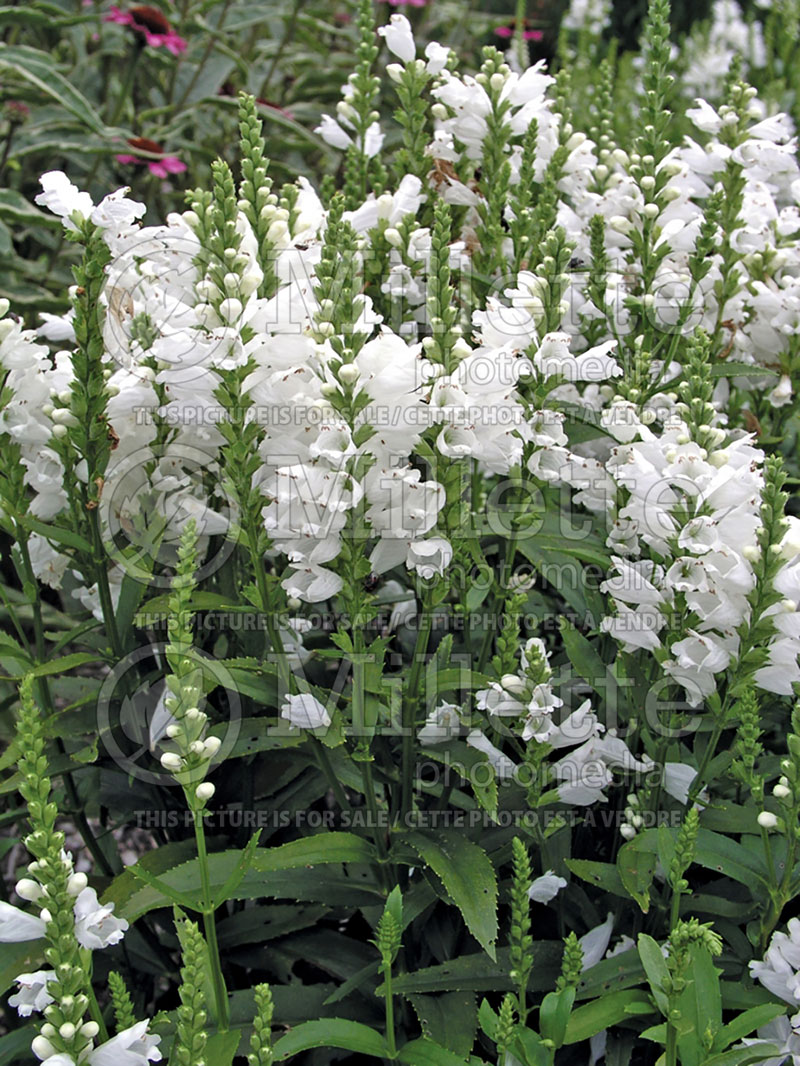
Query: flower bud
point(205, 791)
point(77, 883)
point(29, 890)
point(348, 373)
point(42, 1048)
point(767, 820)
point(211, 746)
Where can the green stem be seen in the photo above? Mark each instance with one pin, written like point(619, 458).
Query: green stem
point(127, 85)
point(209, 922)
point(519, 26)
point(103, 588)
point(70, 787)
point(390, 1038)
point(410, 703)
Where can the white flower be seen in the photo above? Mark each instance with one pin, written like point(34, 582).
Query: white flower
point(17, 926)
point(131, 1047)
point(782, 393)
point(442, 724)
point(305, 711)
point(33, 994)
point(778, 970)
point(95, 924)
point(503, 766)
point(115, 212)
point(437, 56)
point(595, 942)
point(63, 198)
point(399, 38)
point(546, 887)
point(429, 557)
point(333, 134)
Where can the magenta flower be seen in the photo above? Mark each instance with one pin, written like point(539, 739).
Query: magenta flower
point(150, 24)
point(509, 30)
point(529, 35)
point(161, 168)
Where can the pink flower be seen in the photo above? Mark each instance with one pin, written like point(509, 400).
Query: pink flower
point(409, 3)
point(506, 32)
point(161, 168)
point(150, 24)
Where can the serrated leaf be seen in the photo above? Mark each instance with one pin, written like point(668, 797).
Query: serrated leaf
point(449, 1019)
point(60, 666)
point(270, 874)
point(602, 874)
point(424, 1052)
point(468, 877)
point(636, 864)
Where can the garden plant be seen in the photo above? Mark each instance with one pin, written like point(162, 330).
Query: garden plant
point(402, 555)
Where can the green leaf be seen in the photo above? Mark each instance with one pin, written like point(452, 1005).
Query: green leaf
point(222, 1047)
point(602, 874)
point(726, 856)
point(16, 1045)
point(449, 1019)
point(586, 660)
point(608, 1010)
point(57, 534)
point(269, 875)
point(700, 1006)
point(478, 973)
point(554, 1014)
point(16, 208)
point(744, 1024)
point(655, 966)
point(240, 870)
point(636, 864)
point(741, 370)
point(744, 1056)
point(424, 1052)
point(38, 68)
point(62, 665)
point(530, 1048)
point(331, 1032)
point(468, 877)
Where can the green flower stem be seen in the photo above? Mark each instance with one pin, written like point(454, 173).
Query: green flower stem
point(127, 85)
point(103, 588)
point(326, 766)
point(389, 999)
point(364, 757)
point(410, 701)
point(209, 921)
point(89, 839)
point(519, 26)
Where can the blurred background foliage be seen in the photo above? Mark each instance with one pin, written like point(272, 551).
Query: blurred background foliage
point(81, 88)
